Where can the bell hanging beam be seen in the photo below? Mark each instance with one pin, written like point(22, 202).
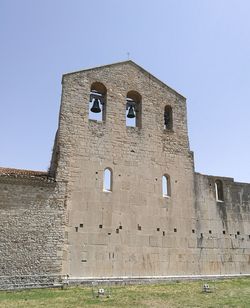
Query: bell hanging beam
point(96, 106)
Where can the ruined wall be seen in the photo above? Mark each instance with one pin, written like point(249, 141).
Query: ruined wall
point(223, 227)
point(31, 227)
point(64, 222)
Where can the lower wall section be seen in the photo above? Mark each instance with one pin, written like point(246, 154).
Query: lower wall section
point(205, 237)
point(212, 239)
point(181, 256)
point(95, 281)
point(31, 229)
point(222, 226)
point(31, 281)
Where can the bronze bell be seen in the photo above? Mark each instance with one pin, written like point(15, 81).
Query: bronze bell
point(131, 112)
point(96, 106)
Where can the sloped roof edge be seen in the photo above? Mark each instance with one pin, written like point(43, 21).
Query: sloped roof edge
point(13, 171)
point(132, 63)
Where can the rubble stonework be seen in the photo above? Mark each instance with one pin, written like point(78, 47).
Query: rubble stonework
point(63, 222)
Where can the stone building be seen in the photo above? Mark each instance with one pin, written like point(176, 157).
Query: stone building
point(121, 197)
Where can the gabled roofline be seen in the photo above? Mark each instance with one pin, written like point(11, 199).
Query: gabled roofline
point(135, 65)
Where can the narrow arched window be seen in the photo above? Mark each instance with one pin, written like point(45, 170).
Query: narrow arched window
point(107, 180)
point(219, 190)
point(168, 117)
point(133, 109)
point(97, 102)
point(166, 188)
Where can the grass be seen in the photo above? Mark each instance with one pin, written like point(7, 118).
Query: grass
point(226, 293)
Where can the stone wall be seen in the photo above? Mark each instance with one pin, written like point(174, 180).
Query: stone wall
point(31, 227)
point(63, 222)
point(132, 230)
point(222, 227)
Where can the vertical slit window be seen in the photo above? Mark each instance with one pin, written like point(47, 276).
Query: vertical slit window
point(219, 190)
point(107, 180)
point(166, 189)
point(168, 118)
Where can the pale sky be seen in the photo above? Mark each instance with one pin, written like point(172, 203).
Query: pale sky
point(201, 48)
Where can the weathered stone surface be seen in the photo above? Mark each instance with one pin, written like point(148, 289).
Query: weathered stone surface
point(69, 225)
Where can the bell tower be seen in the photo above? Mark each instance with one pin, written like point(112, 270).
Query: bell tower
point(122, 144)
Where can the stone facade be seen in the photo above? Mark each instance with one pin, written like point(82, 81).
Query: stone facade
point(31, 228)
point(65, 222)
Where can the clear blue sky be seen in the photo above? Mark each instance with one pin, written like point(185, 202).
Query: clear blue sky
point(200, 48)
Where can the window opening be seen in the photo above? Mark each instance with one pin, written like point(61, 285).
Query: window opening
point(107, 180)
point(133, 109)
point(168, 118)
point(166, 189)
point(219, 190)
point(97, 102)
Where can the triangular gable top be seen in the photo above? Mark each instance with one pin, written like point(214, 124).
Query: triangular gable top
point(135, 65)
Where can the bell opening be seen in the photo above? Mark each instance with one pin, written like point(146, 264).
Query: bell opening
point(133, 109)
point(97, 102)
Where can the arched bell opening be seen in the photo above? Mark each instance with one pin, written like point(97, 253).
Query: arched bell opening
point(168, 117)
point(97, 102)
point(133, 109)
